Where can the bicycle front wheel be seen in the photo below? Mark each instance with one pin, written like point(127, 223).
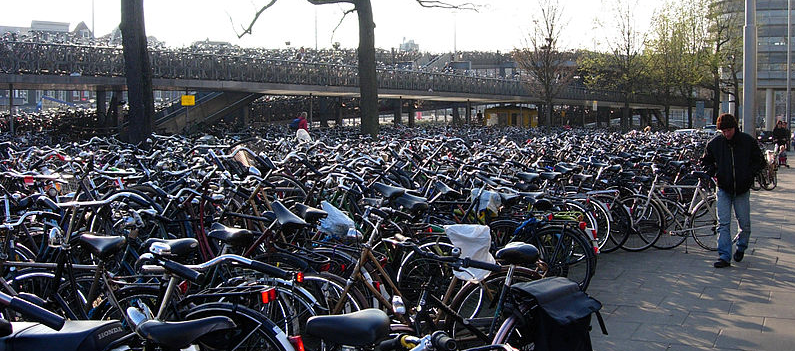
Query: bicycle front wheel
point(647, 222)
point(703, 225)
point(675, 219)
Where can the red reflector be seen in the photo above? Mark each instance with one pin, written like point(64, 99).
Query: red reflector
point(268, 296)
point(28, 180)
point(297, 342)
point(595, 250)
point(582, 225)
point(377, 285)
point(593, 232)
point(325, 267)
point(550, 217)
point(183, 287)
point(299, 277)
point(342, 267)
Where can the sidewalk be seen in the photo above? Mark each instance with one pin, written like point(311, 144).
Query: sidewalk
point(676, 300)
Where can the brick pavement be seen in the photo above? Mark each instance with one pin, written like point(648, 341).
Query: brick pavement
point(676, 300)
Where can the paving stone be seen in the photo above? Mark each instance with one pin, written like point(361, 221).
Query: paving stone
point(754, 340)
point(690, 335)
point(609, 344)
point(649, 315)
point(724, 321)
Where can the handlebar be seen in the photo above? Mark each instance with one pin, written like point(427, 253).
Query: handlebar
point(32, 311)
point(227, 258)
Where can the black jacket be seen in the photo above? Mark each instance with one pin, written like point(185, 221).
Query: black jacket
point(734, 162)
point(781, 135)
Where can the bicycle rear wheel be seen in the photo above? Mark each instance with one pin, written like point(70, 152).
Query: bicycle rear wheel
point(516, 332)
point(253, 331)
point(477, 304)
point(567, 253)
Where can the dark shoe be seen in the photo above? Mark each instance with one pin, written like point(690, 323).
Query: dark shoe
point(721, 264)
point(738, 255)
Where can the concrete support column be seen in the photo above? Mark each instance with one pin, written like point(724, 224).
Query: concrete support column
point(749, 69)
point(469, 112)
point(411, 113)
point(11, 109)
point(398, 118)
point(101, 106)
point(770, 109)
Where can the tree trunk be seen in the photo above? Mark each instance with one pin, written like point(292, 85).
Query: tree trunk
point(368, 82)
point(689, 112)
point(412, 113)
point(548, 112)
point(456, 116)
point(138, 71)
point(626, 124)
point(715, 99)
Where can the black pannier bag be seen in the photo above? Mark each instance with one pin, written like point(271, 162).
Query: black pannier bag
point(561, 317)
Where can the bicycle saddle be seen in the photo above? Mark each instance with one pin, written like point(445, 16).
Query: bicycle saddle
point(581, 177)
point(287, 219)
point(390, 192)
point(443, 189)
point(527, 177)
point(412, 203)
point(310, 214)
point(102, 246)
point(550, 175)
point(359, 328)
point(518, 253)
point(231, 236)
point(179, 335)
point(74, 336)
point(179, 247)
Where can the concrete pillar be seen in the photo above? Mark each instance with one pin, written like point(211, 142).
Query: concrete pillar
point(749, 69)
point(469, 112)
point(411, 113)
point(11, 109)
point(770, 109)
point(101, 106)
point(398, 118)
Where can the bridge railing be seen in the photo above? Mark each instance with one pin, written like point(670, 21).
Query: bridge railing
point(65, 59)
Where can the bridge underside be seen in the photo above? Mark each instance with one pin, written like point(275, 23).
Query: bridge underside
point(54, 82)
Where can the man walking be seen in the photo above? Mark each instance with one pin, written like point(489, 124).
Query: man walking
point(733, 158)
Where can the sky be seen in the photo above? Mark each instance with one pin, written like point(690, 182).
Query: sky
point(497, 25)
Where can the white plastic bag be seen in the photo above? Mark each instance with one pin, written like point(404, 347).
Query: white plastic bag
point(474, 241)
point(486, 200)
point(337, 223)
point(303, 135)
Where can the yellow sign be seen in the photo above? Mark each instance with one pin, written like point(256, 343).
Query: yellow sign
point(188, 100)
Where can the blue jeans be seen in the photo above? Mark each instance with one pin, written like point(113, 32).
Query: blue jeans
point(742, 211)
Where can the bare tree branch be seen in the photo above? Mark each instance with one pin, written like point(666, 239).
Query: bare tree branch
point(251, 25)
point(446, 5)
point(344, 14)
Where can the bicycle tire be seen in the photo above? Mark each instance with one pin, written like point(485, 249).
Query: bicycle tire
point(517, 331)
point(566, 252)
point(252, 328)
point(619, 228)
point(675, 222)
point(647, 222)
point(771, 178)
point(475, 302)
point(327, 289)
point(703, 225)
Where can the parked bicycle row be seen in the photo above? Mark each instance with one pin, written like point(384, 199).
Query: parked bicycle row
point(248, 241)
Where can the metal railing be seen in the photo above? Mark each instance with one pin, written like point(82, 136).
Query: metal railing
point(79, 60)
